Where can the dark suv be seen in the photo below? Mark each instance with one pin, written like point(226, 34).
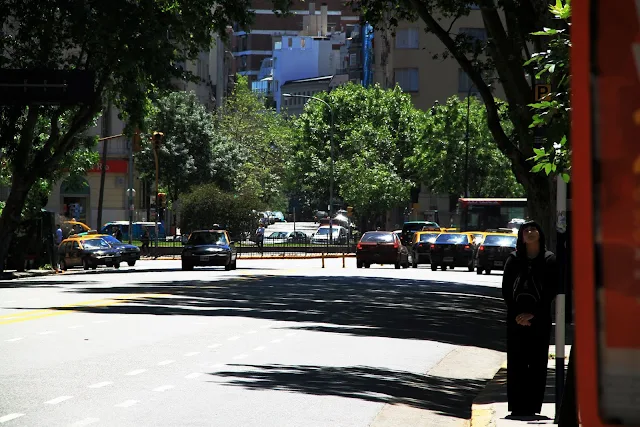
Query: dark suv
point(209, 248)
point(410, 227)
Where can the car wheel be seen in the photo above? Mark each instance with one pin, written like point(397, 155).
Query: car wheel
point(234, 265)
point(397, 265)
point(63, 265)
point(479, 270)
point(470, 267)
point(116, 265)
point(434, 267)
point(367, 265)
point(443, 267)
point(85, 264)
point(359, 264)
point(186, 267)
point(414, 261)
point(131, 263)
point(228, 267)
point(488, 270)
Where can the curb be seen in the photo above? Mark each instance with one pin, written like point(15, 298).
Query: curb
point(177, 257)
point(26, 274)
point(482, 414)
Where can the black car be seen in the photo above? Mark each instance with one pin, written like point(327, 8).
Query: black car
point(493, 252)
point(421, 247)
point(89, 253)
point(410, 227)
point(130, 253)
point(209, 248)
point(381, 247)
point(452, 250)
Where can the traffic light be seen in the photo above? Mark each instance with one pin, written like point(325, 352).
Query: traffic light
point(136, 140)
point(162, 200)
point(157, 140)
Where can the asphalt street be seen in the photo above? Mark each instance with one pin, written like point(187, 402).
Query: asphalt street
point(274, 343)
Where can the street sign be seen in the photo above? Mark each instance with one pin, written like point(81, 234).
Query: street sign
point(542, 91)
point(606, 267)
point(44, 87)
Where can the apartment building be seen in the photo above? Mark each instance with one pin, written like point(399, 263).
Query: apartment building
point(252, 46)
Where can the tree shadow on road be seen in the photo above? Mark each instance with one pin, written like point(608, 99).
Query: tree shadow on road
point(446, 396)
point(454, 313)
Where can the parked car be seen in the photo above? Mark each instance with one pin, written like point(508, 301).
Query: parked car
point(421, 247)
point(381, 247)
point(209, 248)
point(88, 252)
point(410, 227)
point(321, 237)
point(493, 252)
point(138, 229)
point(452, 250)
point(130, 253)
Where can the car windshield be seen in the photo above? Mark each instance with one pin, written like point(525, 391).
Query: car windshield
point(95, 244)
point(112, 240)
point(377, 237)
point(509, 241)
point(417, 226)
point(428, 237)
point(208, 238)
point(453, 239)
point(278, 235)
point(324, 231)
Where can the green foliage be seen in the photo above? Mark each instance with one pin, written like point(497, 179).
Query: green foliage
point(185, 157)
point(554, 113)
point(440, 159)
point(257, 138)
point(375, 131)
point(207, 205)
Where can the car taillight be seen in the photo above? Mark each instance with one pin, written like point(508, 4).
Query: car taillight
point(359, 247)
point(433, 246)
point(482, 248)
point(396, 245)
point(467, 247)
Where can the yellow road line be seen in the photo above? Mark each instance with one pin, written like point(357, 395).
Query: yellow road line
point(68, 308)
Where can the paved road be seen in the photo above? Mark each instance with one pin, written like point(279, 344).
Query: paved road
point(274, 343)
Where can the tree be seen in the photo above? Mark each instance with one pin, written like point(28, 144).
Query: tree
point(375, 131)
point(185, 157)
point(553, 114)
point(134, 48)
point(441, 160)
point(509, 25)
point(263, 137)
point(207, 205)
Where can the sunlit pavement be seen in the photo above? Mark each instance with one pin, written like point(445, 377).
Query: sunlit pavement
point(274, 343)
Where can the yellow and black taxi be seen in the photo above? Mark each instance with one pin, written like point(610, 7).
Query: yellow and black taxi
point(421, 246)
point(452, 250)
point(493, 251)
point(381, 247)
point(209, 248)
point(89, 252)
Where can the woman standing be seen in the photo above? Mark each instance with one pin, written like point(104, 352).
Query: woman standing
point(529, 285)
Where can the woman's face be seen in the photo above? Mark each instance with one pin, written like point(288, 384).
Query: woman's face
point(530, 234)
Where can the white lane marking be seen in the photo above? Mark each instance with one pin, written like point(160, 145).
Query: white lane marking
point(47, 332)
point(193, 375)
point(240, 356)
point(216, 366)
point(163, 388)
point(11, 301)
point(276, 341)
point(259, 348)
point(290, 334)
point(165, 362)
point(193, 353)
point(252, 332)
point(234, 338)
point(99, 321)
point(58, 400)
point(86, 422)
point(100, 385)
point(76, 326)
point(126, 404)
point(15, 339)
point(200, 323)
point(265, 326)
point(10, 417)
point(214, 346)
point(136, 372)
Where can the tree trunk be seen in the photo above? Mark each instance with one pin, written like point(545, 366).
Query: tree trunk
point(12, 213)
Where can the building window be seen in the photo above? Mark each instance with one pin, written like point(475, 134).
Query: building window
point(407, 38)
point(476, 34)
point(465, 83)
point(353, 60)
point(289, 42)
point(407, 78)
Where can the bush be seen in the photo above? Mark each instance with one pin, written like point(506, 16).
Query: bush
point(207, 205)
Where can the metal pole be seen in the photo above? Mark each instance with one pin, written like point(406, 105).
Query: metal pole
point(155, 155)
point(130, 195)
point(466, 156)
point(331, 177)
point(561, 259)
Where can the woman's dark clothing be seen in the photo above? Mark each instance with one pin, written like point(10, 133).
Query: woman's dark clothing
point(528, 346)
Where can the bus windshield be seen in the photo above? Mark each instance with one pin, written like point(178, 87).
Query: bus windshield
point(482, 214)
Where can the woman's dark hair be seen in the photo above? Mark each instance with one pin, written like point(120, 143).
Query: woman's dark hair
point(521, 246)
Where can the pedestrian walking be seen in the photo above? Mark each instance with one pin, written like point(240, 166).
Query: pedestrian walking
point(529, 285)
point(145, 242)
point(260, 235)
point(118, 233)
point(56, 252)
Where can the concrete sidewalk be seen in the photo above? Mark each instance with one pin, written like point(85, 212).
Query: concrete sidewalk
point(490, 407)
point(10, 275)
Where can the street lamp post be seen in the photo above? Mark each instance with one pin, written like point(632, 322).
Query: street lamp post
point(466, 155)
point(331, 178)
point(157, 139)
